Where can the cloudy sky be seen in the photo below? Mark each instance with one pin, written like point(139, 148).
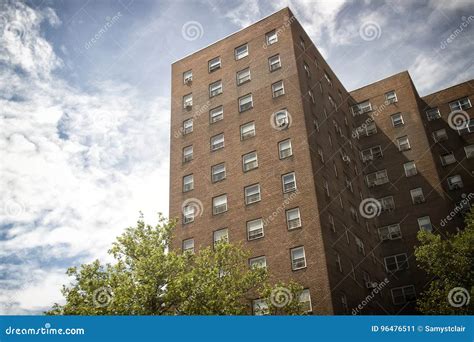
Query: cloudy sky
point(84, 108)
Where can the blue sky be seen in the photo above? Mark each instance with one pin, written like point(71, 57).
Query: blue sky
point(84, 131)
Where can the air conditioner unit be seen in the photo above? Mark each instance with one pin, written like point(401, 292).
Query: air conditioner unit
point(346, 158)
point(367, 158)
point(188, 81)
point(419, 199)
point(455, 187)
point(188, 105)
point(282, 123)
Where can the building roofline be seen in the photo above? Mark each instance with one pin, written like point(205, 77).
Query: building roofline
point(444, 89)
point(233, 33)
point(380, 80)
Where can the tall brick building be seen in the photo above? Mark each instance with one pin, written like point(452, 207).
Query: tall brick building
point(324, 186)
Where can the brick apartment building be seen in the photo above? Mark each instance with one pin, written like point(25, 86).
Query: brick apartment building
point(268, 148)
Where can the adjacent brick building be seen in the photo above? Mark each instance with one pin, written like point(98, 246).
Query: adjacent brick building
point(268, 148)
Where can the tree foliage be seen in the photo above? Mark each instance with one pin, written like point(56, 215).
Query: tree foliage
point(149, 279)
point(451, 262)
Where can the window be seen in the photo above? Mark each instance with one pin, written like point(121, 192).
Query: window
point(271, 37)
point(326, 188)
point(245, 103)
point(447, 159)
point(289, 182)
point(311, 96)
point(249, 161)
point(215, 88)
point(188, 183)
point(305, 301)
point(397, 120)
point(348, 183)
point(252, 194)
point(298, 259)
point(336, 174)
point(461, 104)
point(316, 125)
point(188, 101)
point(320, 154)
point(247, 130)
point(187, 126)
point(404, 294)
point(403, 143)
point(410, 169)
point(187, 154)
point(320, 87)
point(293, 219)
point(433, 114)
point(219, 204)
point(258, 262)
point(214, 64)
point(465, 128)
point(221, 235)
point(371, 153)
point(241, 51)
point(281, 118)
point(338, 262)
point(189, 213)
point(361, 108)
point(387, 203)
point(284, 149)
point(218, 172)
point(217, 142)
point(255, 229)
point(188, 245)
point(469, 150)
point(417, 196)
point(397, 262)
point(328, 79)
point(307, 69)
point(243, 76)
point(332, 225)
point(260, 307)
point(332, 102)
point(187, 77)
point(425, 223)
point(216, 114)
point(377, 178)
point(360, 245)
point(302, 43)
point(278, 89)
point(455, 182)
point(391, 97)
point(366, 129)
point(440, 135)
point(274, 63)
point(391, 232)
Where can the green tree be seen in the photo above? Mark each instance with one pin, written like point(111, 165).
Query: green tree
point(451, 262)
point(149, 279)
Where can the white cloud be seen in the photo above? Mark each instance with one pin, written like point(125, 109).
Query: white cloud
point(77, 166)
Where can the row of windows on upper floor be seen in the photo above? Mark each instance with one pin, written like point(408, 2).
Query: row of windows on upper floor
point(380, 177)
point(431, 114)
point(240, 52)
